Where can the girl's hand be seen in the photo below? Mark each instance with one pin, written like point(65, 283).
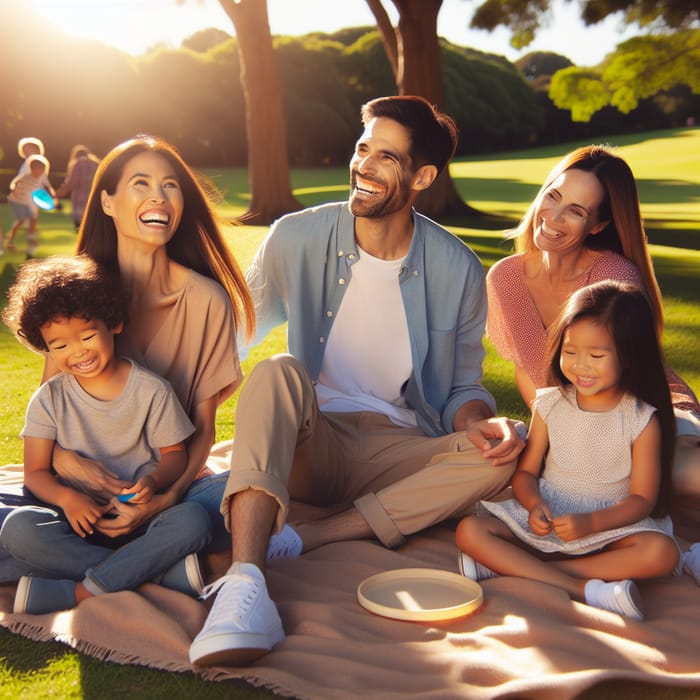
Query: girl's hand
point(143, 491)
point(573, 526)
point(82, 512)
point(540, 520)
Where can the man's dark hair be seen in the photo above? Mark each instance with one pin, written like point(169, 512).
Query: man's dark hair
point(433, 134)
point(62, 287)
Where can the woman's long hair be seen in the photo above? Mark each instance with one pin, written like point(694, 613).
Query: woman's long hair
point(197, 243)
point(624, 311)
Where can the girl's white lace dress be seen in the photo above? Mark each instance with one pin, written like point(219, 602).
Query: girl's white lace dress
point(587, 468)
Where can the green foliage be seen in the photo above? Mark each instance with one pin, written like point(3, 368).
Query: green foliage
point(640, 67)
point(674, 14)
point(580, 90)
point(365, 69)
point(495, 107)
point(543, 64)
point(321, 121)
point(205, 39)
point(525, 17)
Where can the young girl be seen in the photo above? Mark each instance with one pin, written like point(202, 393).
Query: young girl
point(605, 434)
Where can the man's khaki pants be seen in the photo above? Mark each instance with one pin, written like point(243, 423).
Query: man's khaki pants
point(400, 480)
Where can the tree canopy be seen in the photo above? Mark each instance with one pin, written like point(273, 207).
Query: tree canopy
point(525, 17)
point(640, 67)
point(666, 55)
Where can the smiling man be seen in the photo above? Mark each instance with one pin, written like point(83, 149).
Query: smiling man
point(378, 412)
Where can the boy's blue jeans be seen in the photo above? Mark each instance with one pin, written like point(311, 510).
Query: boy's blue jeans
point(38, 541)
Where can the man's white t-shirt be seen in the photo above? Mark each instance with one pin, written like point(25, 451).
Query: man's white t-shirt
point(368, 356)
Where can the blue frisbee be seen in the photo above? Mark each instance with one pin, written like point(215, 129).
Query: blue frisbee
point(43, 200)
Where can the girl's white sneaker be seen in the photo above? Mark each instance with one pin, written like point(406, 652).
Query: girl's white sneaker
point(621, 597)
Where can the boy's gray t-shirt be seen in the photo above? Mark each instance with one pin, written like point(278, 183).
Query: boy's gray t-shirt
point(124, 434)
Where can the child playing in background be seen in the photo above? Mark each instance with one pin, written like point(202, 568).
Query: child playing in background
point(108, 409)
point(605, 434)
point(20, 199)
point(26, 147)
point(82, 166)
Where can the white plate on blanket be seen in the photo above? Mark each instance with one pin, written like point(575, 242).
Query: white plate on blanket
point(419, 594)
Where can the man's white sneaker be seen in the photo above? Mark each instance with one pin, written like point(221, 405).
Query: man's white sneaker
point(621, 597)
point(691, 562)
point(243, 624)
point(285, 544)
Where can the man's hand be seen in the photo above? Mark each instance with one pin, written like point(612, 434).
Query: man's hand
point(87, 475)
point(497, 438)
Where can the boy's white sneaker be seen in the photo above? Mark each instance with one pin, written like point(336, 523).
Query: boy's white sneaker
point(243, 623)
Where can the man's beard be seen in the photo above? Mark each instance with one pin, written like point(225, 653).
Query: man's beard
point(387, 203)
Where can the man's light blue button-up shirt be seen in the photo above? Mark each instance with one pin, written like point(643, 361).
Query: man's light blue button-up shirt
point(304, 265)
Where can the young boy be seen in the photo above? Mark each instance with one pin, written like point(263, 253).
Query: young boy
point(108, 409)
point(20, 200)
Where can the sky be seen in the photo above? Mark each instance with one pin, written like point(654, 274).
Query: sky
point(136, 25)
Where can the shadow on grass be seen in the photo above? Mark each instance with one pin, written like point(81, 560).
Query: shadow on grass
point(7, 276)
point(557, 150)
point(681, 235)
point(678, 277)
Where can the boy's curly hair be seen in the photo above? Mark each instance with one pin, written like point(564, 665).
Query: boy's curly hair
point(62, 287)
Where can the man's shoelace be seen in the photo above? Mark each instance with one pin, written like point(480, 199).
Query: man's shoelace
point(240, 593)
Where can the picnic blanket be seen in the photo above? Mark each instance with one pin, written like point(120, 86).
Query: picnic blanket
point(527, 639)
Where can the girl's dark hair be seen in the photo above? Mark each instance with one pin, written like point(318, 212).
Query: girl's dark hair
point(62, 287)
point(198, 242)
point(624, 311)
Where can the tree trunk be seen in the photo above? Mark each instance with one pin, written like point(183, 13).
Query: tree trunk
point(268, 160)
point(388, 35)
point(419, 72)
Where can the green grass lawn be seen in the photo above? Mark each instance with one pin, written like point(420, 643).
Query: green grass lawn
point(501, 185)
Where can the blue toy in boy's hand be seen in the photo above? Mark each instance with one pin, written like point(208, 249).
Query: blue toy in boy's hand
point(124, 497)
point(43, 200)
